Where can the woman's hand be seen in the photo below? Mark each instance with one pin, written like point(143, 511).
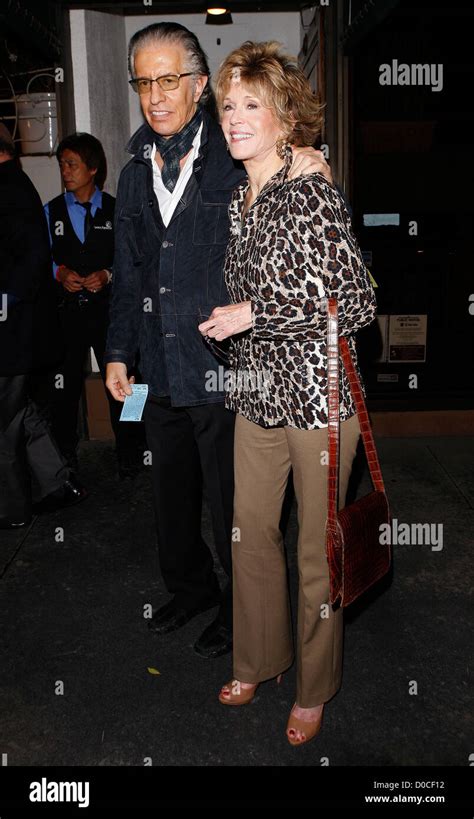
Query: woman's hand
point(227, 321)
point(307, 160)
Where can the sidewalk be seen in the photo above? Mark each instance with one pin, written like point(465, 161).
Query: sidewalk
point(73, 614)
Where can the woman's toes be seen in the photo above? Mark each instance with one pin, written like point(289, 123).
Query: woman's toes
point(296, 735)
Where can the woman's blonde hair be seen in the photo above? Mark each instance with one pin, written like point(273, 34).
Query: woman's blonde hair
point(277, 80)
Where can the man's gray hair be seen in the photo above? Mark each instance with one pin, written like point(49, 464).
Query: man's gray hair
point(175, 34)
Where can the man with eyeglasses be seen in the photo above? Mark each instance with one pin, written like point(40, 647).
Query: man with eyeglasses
point(172, 229)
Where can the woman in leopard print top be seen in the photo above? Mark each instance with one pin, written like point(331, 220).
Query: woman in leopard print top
point(291, 247)
point(294, 248)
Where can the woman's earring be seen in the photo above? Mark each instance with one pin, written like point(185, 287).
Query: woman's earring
point(281, 146)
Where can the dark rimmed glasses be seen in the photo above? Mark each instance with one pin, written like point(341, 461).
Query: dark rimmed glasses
point(218, 350)
point(168, 82)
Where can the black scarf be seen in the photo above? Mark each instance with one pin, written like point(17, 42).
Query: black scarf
point(173, 148)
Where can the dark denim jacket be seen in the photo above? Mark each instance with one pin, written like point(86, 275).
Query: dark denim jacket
point(168, 279)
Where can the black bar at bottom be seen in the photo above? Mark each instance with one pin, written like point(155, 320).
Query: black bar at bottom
point(85, 791)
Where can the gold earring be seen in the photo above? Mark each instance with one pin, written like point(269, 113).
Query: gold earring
point(281, 146)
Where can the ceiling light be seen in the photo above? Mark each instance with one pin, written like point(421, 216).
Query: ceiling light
point(218, 17)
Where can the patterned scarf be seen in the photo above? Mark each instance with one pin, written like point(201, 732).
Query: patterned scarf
point(173, 148)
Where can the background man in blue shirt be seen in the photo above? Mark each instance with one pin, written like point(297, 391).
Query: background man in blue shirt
point(82, 243)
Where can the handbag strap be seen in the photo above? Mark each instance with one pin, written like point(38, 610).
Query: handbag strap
point(334, 346)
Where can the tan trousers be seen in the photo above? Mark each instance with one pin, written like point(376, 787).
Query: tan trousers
point(263, 645)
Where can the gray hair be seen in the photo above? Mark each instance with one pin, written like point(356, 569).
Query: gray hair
point(175, 34)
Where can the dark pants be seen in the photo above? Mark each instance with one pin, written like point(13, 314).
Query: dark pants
point(85, 327)
point(192, 453)
point(31, 465)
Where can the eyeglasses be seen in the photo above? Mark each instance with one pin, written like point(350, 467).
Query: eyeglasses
point(143, 85)
point(218, 350)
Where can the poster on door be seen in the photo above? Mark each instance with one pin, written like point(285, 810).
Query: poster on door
point(407, 338)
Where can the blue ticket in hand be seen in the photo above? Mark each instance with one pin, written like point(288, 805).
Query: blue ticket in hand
point(132, 409)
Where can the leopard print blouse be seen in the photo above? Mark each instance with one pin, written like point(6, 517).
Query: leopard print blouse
point(294, 248)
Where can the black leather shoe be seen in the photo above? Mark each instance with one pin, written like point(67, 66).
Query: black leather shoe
point(170, 617)
point(215, 641)
point(71, 492)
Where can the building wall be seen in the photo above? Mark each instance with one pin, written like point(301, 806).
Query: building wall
point(44, 173)
point(323, 62)
point(100, 84)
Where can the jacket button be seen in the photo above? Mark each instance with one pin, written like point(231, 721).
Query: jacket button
point(150, 203)
point(169, 335)
point(162, 289)
point(165, 244)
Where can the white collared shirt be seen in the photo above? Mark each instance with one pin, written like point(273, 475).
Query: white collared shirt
point(168, 200)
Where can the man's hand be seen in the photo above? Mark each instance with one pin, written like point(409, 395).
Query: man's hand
point(227, 321)
point(95, 281)
point(307, 160)
point(69, 279)
point(117, 382)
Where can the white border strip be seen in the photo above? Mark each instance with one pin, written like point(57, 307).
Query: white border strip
point(79, 69)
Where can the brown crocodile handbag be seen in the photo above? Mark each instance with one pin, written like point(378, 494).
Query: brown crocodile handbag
point(355, 555)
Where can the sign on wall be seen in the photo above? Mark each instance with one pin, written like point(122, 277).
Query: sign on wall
point(407, 338)
point(403, 338)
